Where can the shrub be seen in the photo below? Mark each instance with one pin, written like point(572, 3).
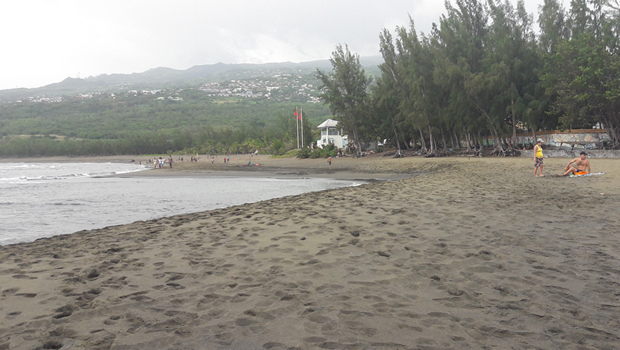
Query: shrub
point(290, 154)
point(327, 151)
point(277, 148)
point(331, 150)
point(304, 153)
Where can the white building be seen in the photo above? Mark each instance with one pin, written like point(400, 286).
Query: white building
point(331, 134)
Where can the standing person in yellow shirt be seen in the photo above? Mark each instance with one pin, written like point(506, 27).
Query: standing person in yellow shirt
point(538, 158)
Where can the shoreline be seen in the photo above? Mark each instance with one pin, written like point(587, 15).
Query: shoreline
point(476, 253)
point(276, 173)
point(344, 168)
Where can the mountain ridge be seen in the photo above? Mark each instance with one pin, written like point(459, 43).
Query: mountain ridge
point(163, 77)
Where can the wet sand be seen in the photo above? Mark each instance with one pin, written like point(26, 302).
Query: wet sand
point(470, 254)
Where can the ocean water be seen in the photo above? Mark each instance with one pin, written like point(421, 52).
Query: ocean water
point(46, 199)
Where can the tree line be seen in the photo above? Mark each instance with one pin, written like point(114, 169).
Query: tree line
point(480, 76)
point(142, 125)
point(275, 138)
point(482, 73)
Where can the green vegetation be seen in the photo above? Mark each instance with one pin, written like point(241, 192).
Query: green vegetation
point(142, 124)
point(345, 90)
point(482, 73)
point(481, 76)
point(290, 154)
point(327, 151)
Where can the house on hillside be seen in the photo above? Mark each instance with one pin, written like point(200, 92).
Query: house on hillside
point(331, 134)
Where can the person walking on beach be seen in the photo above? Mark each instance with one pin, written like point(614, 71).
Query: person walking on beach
point(538, 158)
point(329, 161)
point(578, 166)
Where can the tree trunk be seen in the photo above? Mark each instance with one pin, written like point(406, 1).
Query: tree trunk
point(422, 141)
point(357, 142)
point(443, 139)
point(396, 138)
point(431, 140)
point(395, 132)
point(493, 130)
point(452, 139)
point(514, 121)
point(612, 132)
point(468, 140)
point(496, 139)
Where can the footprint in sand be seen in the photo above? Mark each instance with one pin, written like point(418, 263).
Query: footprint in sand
point(10, 291)
point(19, 277)
point(26, 295)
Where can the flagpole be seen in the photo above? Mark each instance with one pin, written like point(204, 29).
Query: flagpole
point(297, 126)
point(301, 117)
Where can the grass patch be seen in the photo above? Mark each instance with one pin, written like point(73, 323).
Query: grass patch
point(289, 154)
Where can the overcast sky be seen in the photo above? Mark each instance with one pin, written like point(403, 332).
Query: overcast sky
point(46, 41)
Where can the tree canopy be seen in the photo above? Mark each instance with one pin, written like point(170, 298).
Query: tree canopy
point(483, 74)
point(479, 77)
point(346, 91)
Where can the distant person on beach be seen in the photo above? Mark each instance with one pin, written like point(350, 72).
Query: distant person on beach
point(538, 158)
point(155, 163)
point(170, 162)
point(329, 161)
point(578, 166)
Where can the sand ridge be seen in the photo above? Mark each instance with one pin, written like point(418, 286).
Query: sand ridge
point(473, 254)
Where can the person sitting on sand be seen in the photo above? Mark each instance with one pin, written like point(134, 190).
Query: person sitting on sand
point(578, 166)
point(538, 158)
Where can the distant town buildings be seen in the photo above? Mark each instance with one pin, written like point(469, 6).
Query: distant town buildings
point(277, 87)
point(270, 84)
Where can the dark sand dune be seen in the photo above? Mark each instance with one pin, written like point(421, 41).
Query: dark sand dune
point(475, 255)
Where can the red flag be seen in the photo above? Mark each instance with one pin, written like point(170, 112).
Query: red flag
point(295, 112)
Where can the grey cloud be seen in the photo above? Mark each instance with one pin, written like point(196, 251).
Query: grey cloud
point(61, 38)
